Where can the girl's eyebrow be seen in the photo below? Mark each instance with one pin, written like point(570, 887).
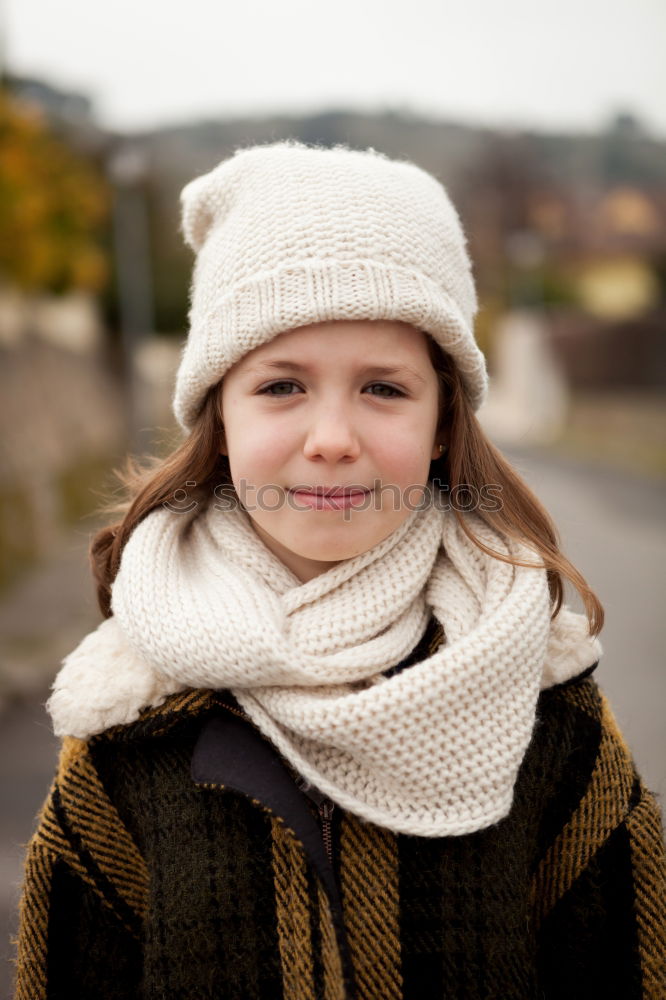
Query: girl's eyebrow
point(378, 371)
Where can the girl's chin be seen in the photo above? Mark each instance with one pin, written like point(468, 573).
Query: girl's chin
point(328, 544)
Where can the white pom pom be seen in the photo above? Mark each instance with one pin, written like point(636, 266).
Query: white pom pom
point(104, 683)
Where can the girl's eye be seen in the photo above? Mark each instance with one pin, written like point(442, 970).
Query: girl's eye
point(284, 388)
point(390, 389)
point(278, 388)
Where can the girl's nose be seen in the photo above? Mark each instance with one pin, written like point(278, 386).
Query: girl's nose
point(331, 436)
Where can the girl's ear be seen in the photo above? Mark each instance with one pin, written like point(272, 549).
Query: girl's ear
point(438, 451)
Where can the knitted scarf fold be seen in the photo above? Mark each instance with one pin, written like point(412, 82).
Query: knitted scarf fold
point(433, 750)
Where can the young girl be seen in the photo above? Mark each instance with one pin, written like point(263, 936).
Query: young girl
point(338, 736)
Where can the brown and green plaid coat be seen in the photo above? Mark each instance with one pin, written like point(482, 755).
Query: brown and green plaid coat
point(178, 858)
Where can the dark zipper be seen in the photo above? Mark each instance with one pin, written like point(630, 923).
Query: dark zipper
point(326, 809)
point(235, 711)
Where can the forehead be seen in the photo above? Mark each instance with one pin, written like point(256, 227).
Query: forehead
point(335, 341)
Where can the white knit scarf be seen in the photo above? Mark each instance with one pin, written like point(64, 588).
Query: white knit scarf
point(433, 750)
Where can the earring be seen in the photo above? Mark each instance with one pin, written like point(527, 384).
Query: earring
point(441, 450)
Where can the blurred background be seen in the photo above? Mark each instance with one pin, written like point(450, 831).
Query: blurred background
point(547, 123)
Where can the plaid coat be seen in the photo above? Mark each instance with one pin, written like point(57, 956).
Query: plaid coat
point(179, 858)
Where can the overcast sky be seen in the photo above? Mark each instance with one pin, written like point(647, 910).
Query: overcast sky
point(569, 64)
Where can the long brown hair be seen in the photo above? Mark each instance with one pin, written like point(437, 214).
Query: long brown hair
point(470, 463)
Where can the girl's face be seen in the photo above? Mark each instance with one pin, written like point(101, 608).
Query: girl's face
point(347, 408)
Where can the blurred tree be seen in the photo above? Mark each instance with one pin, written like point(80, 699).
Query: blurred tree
point(54, 206)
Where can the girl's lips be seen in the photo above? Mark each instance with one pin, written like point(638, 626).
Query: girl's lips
point(331, 501)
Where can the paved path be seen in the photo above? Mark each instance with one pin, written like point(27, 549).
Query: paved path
point(612, 527)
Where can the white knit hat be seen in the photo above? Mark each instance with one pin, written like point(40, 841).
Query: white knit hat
point(288, 234)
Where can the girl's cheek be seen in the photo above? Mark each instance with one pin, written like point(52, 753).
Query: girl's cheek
point(263, 451)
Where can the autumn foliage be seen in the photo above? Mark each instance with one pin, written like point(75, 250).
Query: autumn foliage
point(54, 206)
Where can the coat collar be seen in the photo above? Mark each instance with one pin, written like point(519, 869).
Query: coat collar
point(230, 753)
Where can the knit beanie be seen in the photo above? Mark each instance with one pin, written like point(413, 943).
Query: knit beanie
point(287, 234)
